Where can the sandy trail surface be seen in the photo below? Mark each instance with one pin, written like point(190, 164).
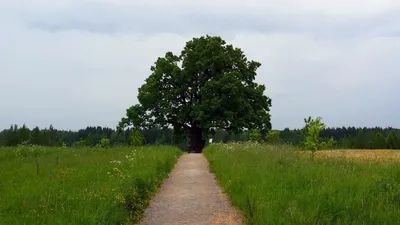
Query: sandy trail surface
point(191, 196)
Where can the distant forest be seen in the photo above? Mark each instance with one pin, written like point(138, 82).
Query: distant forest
point(346, 137)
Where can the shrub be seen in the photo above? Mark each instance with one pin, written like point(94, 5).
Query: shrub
point(104, 143)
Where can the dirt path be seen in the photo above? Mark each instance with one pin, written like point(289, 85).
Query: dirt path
point(191, 196)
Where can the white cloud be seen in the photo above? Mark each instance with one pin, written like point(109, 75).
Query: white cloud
point(348, 82)
point(73, 79)
point(77, 63)
point(330, 7)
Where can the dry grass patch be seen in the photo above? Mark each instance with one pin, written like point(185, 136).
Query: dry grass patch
point(365, 155)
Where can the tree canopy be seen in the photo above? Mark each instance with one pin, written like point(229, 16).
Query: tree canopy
point(209, 86)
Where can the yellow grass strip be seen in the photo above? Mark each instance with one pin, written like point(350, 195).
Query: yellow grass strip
point(378, 155)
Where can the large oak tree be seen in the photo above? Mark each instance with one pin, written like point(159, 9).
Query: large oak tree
point(209, 86)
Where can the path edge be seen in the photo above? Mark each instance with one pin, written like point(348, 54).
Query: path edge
point(240, 212)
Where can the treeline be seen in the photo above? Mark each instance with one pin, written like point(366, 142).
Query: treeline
point(351, 137)
point(345, 137)
point(90, 136)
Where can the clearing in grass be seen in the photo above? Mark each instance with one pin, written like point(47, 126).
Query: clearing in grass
point(276, 185)
point(80, 186)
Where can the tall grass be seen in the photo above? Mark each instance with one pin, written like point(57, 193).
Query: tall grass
point(80, 186)
point(274, 185)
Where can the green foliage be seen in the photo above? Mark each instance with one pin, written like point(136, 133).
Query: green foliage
point(392, 141)
point(272, 137)
point(81, 143)
point(31, 151)
point(35, 136)
point(328, 144)
point(135, 118)
point(161, 141)
point(345, 143)
point(361, 141)
point(220, 136)
point(255, 136)
point(276, 185)
point(80, 186)
point(210, 85)
point(60, 143)
point(89, 140)
point(311, 132)
point(379, 141)
point(178, 134)
point(137, 138)
point(104, 143)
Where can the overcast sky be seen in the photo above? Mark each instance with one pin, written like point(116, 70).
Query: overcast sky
point(78, 63)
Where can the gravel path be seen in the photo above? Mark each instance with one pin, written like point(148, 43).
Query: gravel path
point(191, 196)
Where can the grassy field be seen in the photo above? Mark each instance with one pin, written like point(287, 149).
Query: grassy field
point(80, 186)
point(276, 185)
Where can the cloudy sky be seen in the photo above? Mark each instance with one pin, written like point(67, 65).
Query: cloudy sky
point(75, 63)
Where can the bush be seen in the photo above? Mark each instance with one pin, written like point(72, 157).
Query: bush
point(104, 143)
point(311, 133)
point(137, 138)
point(255, 136)
point(272, 137)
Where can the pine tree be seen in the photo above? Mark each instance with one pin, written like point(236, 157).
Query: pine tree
point(35, 136)
point(360, 141)
point(390, 142)
point(379, 141)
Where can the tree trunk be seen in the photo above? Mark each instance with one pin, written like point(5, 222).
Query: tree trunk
point(197, 142)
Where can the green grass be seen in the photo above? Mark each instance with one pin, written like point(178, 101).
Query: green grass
point(80, 186)
point(274, 185)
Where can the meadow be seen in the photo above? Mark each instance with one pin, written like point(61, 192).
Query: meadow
point(279, 185)
point(40, 185)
